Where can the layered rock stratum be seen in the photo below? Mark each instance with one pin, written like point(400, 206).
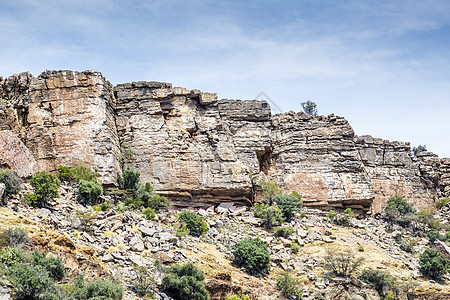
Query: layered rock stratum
point(198, 149)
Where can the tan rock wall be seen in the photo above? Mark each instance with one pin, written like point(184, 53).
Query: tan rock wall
point(187, 144)
point(197, 149)
point(393, 170)
point(15, 155)
point(316, 156)
point(71, 122)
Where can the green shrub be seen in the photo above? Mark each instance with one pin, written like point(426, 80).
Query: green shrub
point(185, 282)
point(134, 203)
point(101, 207)
point(427, 217)
point(14, 237)
point(31, 282)
point(45, 188)
point(342, 263)
point(434, 264)
point(121, 207)
point(88, 192)
point(65, 173)
point(407, 245)
point(381, 281)
point(144, 192)
point(11, 256)
point(83, 173)
point(52, 264)
point(288, 205)
point(98, 289)
point(288, 286)
point(341, 219)
point(361, 248)
point(418, 149)
point(129, 180)
point(143, 281)
point(397, 204)
point(295, 247)
point(271, 215)
point(442, 202)
point(156, 201)
point(309, 107)
point(149, 213)
point(434, 235)
point(283, 231)
point(194, 222)
point(270, 189)
point(234, 297)
point(86, 221)
point(11, 180)
point(252, 254)
point(76, 173)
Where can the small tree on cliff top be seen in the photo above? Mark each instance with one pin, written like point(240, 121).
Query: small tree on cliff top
point(309, 108)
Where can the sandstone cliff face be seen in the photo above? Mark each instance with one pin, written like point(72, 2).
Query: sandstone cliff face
point(197, 149)
point(187, 144)
point(64, 118)
point(317, 157)
point(393, 170)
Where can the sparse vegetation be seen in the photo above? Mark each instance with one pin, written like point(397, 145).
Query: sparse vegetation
point(76, 174)
point(143, 282)
point(418, 149)
point(34, 275)
point(185, 282)
point(342, 263)
point(295, 247)
point(85, 220)
point(129, 180)
point(46, 186)
point(14, 237)
point(11, 180)
point(385, 284)
point(443, 202)
point(289, 286)
point(283, 231)
point(434, 264)
point(195, 223)
point(341, 219)
point(136, 195)
point(98, 289)
point(149, 213)
point(270, 214)
point(269, 190)
point(288, 204)
point(234, 297)
point(310, 108)
point(252, 254)
point(88, 192)
point(398, 205)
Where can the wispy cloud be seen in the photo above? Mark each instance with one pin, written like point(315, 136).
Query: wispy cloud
point(374, 62)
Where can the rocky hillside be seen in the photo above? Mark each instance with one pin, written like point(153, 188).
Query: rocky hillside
point(199, 150)
point(114, 242)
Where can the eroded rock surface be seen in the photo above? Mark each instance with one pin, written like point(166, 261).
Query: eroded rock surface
point(317, 157)
point(187, 144)
point(14, 154)
point(198, 149)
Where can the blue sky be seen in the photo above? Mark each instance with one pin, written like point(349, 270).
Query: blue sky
point(384, 65)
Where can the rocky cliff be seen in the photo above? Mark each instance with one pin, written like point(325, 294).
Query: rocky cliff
point(197, 149)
